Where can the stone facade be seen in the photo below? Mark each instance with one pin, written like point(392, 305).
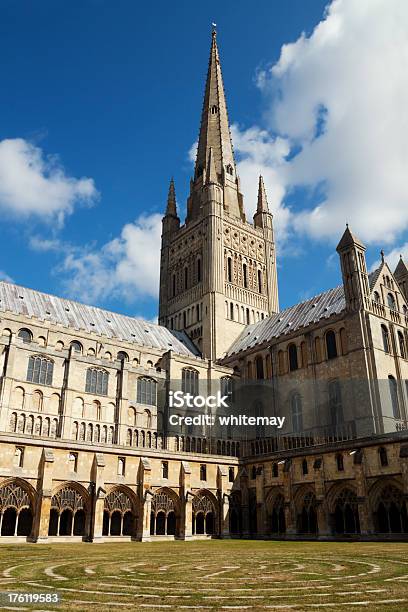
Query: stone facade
point(85, 447)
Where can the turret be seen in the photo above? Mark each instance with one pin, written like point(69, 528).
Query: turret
point(171, 222)
point(263, 220)
point(354, 271)
point(401, 276)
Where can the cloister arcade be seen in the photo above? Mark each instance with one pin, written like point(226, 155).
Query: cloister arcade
point(340, 513)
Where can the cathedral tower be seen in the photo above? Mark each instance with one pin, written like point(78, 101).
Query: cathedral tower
point(218, 271)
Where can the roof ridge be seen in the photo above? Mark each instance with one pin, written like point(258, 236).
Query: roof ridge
point(58, 297)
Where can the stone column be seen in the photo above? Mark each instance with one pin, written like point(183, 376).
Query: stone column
point(223, 490)
point(96, 526)
point(187, 523)
point(321, 509)
point(145, 495)
point(261, 515)
point(186, 495)
point(122, 403)
point(244, 503)
point(364, 512)
point(224, 516)
point(145, 516)
point(290, 511)
point(42, 514)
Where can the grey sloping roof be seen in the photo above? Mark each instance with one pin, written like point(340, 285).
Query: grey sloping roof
point(80, 317)
point(373, 276)
point(301, 315)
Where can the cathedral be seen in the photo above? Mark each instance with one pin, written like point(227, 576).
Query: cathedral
point(86, 451)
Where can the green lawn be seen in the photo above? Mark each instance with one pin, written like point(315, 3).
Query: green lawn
point(211, 575)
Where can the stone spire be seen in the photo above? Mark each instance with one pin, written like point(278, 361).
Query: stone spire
point(171, 209)
point(262, 199)
point(348, 239)
point(211, 175)
point(401, 276)
point(214, 128)
point(401, 269)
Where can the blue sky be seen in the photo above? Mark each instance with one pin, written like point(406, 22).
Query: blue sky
point(100, 105)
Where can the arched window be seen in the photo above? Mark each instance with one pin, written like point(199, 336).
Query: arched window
point(307, 518)
point(231, 311)
point(275, 470)
point(401, 342)
point(245, 275)
point(122, 356)
point(25, 335)
point(305, 468)
point(331, 347)
point(335, 404)
point(377, 298)
point(76, 347)
point(189, 381)
point(385, 338)
point(174, 285)
point(97, 381)
point(277, 515)
point(382, 454)
point(226, 387)
point(340, 462)
point(259, 368)
point(214, 110)
point(391, 301)
point(229, 169)
point(293, 358)
point(198, 269)
point(37, 401)
point(229, 269)
point(146, 391)
point(391, 513)
point(346, 517)
point(297, 416)
point(96, 410)
point(68, 513)
point(259, 281)
point(15, 510)
point(394, 397)
point(185, 278)
point(40, 370)
point(247, 316)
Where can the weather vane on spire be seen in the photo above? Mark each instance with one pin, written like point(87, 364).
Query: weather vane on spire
point(214, 28)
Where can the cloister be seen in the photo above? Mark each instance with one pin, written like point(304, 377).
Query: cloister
point(75, 513)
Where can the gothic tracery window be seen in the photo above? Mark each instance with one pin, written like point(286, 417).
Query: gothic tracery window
point(146, 391)
point(297, 415)
point(189, 381)
point(97, 381)
point(40, 370)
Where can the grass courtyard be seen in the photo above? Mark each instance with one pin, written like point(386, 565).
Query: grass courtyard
point(210, 575)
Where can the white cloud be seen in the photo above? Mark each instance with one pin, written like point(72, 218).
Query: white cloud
point(34, 184)
point(128, 266)
point(260, 153)
point(340, 97)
